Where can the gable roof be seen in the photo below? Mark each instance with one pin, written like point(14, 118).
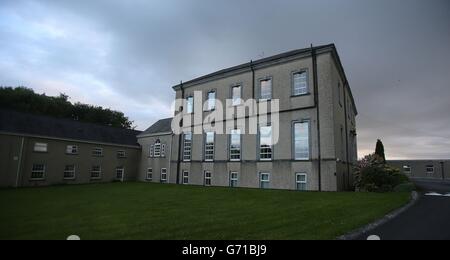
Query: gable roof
point(45, 126)
point(161, 126)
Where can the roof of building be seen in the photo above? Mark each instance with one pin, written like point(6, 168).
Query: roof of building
point(262, 62)
point(162, 126)
point(46, 126)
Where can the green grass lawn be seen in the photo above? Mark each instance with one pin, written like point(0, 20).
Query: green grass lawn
point(156, 211)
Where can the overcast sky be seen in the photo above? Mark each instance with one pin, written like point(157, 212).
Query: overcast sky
point(126, 55)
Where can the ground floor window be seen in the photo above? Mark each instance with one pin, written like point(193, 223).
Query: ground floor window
point(163, 175)
point(208, 178)
point(149, 176)
point(185, 177)
point(233, 179)
point(301, 181)
point(407, 169)
point(38, 171)
point(120, 171)
point(264, 180)
point(69, 172)
point(96, 172)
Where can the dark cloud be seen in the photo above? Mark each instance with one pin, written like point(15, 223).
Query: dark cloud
point(128, 54)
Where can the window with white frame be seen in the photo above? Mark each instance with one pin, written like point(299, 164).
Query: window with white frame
point(235, 145)
point(149, 176)
point(301, 181)
point(40, 147)
point(190, 105)
point(96, 172)
point(38, 171)
point(300, 83)
point(265, 89)
point(185, 177)
point(157, 148)
point(150, 151)
point(97, 151)
point(233, 179)
point(163, 150)
point(236, 95)
point(120, 173)
point(430, 169)
point(69, 172)
point(407, 169)
point(209, 146)
point(208, 178)
point(72, 149)
point(121, 154)
point(163, 178)
point(264, 180)
point(187, 146)
point(211, 100)
point(265, 143)
point(301, 140)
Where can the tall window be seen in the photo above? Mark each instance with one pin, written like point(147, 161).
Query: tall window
point(96, 172)
point(211, 100)
point(151, 151)
point(266, 89)
point(97, 151)
point(163, 150)
point(38, 172)
point(301, 181)
point(69, 172)
point(209, 146)
point(233, 179)
point(236, 95)
point(190, 105)
point(163, 175)
point(208, 178)
point(149, 176)
point(300, 83)
point(72, 149)
point(301, 140)
point(235, 145)
point(185, 177)
point(265, 143)
point(264, 180)
point(40, 147)
point(187, 146)
point(430, 169)
point(157, 148)
point(120, 171)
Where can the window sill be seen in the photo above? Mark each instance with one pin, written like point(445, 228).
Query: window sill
point(72, 154)
point(40, 179)
point(69, 179)
point(301, 95)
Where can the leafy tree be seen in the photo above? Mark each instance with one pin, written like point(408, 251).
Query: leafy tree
point(373, 175)
point(379, 150)
point(26, 100)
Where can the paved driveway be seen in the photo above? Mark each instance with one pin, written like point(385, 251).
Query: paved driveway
point(428, 219)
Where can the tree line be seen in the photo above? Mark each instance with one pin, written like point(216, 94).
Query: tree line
point(24, 99)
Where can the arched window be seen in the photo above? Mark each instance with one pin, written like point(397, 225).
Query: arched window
point(158, 148)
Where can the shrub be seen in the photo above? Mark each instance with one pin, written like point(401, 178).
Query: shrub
point(373, 175)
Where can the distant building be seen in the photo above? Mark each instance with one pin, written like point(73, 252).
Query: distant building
point(427, 169)
point(39, 150)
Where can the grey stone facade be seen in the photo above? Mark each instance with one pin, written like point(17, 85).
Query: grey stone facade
point(423, 169)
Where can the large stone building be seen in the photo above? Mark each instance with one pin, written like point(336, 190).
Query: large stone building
point(317, 144)
point(315, 150)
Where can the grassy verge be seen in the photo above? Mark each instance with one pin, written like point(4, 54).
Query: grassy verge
point(156, 211)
